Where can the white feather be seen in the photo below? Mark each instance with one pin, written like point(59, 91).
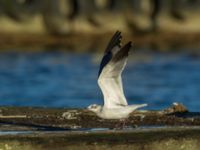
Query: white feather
point(111, 86)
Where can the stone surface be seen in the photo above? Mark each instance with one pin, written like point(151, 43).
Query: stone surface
point(183, 138)
point(70, 119)
point(27, 128)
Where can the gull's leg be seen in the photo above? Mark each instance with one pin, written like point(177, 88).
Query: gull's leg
point(124, 121)
point(121, 124)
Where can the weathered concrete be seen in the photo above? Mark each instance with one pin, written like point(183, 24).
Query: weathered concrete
point(69, 119)
point(145, 139)
point(27, 128)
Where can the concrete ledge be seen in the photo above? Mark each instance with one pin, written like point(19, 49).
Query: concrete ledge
point(28, 118)
point(184, 138)
point(27, 128)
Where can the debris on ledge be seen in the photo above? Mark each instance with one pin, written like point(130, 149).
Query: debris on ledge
point(29, 118)
point(28, 128)
point(176, 108)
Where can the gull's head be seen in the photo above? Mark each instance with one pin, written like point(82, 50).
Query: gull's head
point(94, 108)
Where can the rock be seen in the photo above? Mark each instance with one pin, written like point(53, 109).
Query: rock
point(176, 108)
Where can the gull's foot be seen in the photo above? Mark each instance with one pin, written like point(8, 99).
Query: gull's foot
point(121, 125)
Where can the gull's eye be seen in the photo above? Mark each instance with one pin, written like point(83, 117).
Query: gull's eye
point(94, 106)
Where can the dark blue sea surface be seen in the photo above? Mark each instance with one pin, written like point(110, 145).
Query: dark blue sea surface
point(66, 79)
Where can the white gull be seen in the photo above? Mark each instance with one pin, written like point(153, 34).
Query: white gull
point(110, 81)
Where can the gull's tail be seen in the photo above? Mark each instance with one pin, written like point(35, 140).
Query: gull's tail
point(137, 106)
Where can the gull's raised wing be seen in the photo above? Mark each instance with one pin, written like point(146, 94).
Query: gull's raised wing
point(111, 67)
point(112, 48)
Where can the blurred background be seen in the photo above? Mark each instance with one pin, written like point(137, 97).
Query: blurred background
point(50, 51)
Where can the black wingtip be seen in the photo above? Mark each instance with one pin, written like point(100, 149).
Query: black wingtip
point(124, 51)
point(118, 32)
point(129, 44)
point(115, 41)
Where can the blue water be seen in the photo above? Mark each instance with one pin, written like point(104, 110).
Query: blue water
point(66, 79)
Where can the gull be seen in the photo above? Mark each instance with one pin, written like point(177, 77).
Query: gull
point(110, 82)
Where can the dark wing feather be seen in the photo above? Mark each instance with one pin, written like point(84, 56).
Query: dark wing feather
point(122, 53)
point(106, 58)
point(115, 41)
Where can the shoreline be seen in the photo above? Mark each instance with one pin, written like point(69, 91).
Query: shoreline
point(82, 42)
